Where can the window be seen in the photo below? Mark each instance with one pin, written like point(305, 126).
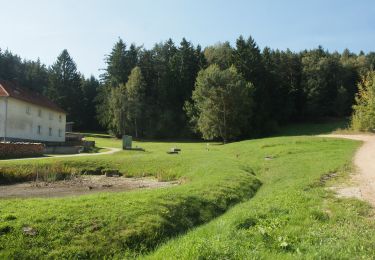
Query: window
point(60, 133)
point(50, 116)
point(50, 131)
point(28, 110)
point(39, 129)
point(40, 112)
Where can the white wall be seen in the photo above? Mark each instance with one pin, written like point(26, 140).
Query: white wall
point(2, 116)
point(23, 125)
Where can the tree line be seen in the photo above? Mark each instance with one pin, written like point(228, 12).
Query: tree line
point(181, 90)
point(61, 82)
point(224, 91)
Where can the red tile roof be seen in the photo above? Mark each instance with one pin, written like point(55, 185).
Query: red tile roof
point(9, 89)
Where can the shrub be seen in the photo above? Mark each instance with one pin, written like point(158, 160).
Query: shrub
point(363, 118)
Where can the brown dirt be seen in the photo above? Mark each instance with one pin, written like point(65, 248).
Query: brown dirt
point(79, 186)
point(363, 180)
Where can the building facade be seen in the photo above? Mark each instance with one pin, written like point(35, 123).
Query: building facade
point(29, 116)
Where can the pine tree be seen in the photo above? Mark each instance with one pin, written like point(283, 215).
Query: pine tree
point(65, 86)
point(90, 88)
point(220, 54)
point(118, 69)
point(248, 60)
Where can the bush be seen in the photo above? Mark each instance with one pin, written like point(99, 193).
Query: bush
point(363, 118)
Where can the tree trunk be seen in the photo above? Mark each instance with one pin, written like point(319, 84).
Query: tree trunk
point(136, 128)
point(225, 137)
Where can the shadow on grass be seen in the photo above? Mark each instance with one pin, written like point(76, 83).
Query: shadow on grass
point(98, 135)
point(147, 140)
point(319, 127)
point(326, 126)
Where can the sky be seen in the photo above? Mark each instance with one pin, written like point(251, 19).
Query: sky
point(88, 29)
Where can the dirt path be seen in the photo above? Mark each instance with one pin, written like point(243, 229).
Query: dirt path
point(364, 178)
point(79, 186)
point(111, 151)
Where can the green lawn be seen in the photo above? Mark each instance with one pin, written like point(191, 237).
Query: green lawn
point(127, 223)
point(292, 216)
point(213, 214)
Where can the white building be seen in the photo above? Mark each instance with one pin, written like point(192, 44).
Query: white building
point(26, 115)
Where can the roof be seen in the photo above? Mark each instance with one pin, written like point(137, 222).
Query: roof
point(10, 89)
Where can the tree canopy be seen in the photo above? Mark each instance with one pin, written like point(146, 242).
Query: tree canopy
point(221, 104)
point(286, 86)
point(363, 118)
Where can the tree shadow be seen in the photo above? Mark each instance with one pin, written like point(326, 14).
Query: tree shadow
point(325, 126)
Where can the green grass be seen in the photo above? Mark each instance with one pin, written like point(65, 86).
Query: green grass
point(292, 216)
point(211, 215)
point(125, 223)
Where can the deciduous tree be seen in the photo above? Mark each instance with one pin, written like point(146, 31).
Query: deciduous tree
point(135, 92)
point(363, 118)
point(221, 104)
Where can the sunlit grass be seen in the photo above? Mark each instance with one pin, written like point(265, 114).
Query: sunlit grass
point(292, 215)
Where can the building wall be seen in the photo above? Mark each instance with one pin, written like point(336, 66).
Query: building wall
point(2, 115)
point(24, 121)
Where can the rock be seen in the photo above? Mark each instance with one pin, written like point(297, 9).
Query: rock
point(29, 231)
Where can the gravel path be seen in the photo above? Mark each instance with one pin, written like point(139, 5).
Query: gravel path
point(111, 151)
point(364, 160)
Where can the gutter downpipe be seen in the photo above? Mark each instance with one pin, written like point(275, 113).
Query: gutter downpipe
point(6, 119)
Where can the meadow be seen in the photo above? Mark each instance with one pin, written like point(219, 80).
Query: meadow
point(261, 198)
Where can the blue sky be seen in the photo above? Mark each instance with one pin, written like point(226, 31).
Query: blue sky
point(89, 28)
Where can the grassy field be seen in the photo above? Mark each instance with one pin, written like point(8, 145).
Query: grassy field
point(126, 223)
point(292, 216)
point(213, 214)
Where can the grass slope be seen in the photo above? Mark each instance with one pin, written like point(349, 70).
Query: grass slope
point(126, 223)
point(291, 216)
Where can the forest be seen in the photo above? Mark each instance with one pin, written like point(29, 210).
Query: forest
point(186, 91)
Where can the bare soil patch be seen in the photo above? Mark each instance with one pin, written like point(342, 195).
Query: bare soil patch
point(80, 185)
point(363, 180)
